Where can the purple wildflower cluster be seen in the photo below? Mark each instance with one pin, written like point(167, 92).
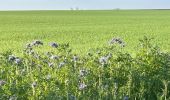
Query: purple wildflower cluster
point(15, 59)
point(34, 43)
point(103, 60)
point(83, 73)
point(75, 58)
point(53, 44)
point(39, 42)
point(117, 40)
point(82, 86)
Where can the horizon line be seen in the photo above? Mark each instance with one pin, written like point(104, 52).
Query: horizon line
point(78, 9)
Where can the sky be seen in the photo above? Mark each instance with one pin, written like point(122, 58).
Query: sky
point(82, 4)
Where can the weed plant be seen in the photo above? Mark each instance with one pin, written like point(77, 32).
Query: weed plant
point(103, 74)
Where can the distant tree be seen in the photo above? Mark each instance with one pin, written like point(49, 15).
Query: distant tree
point(77, 8)
point(71, 8)
point(117, 8)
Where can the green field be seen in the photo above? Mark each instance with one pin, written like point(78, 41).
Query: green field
point(83, 29)
point(105, 73)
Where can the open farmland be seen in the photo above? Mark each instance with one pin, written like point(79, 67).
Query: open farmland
point(140, 71)
point(83, 29)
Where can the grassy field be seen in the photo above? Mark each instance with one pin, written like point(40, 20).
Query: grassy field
point(83, 29)
point(106, 73)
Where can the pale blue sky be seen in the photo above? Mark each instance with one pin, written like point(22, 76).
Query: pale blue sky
point(82, 4)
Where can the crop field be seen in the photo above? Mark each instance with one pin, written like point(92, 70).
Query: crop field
point(85, 55)
point(83, 29)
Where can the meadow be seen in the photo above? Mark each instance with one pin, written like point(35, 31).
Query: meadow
point(83, 29)
point(85, 55)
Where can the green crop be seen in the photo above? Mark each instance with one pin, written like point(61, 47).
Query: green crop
point(83, 29)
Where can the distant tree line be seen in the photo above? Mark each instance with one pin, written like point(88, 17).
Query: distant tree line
point(76, 8)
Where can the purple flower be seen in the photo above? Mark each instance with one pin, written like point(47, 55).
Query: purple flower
point(54, 57)
point(11, 58)
point(75, 58)
point(117, 40)
point(17, 61)
point(61, 64)
point(83, 73)
point(82, 86)
point(103, 60)
point(36, 43)
point(53, 44)
point(28, 46)
point(50, 64)
point(2, 82)
point(34, 84)
point(126, 98)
